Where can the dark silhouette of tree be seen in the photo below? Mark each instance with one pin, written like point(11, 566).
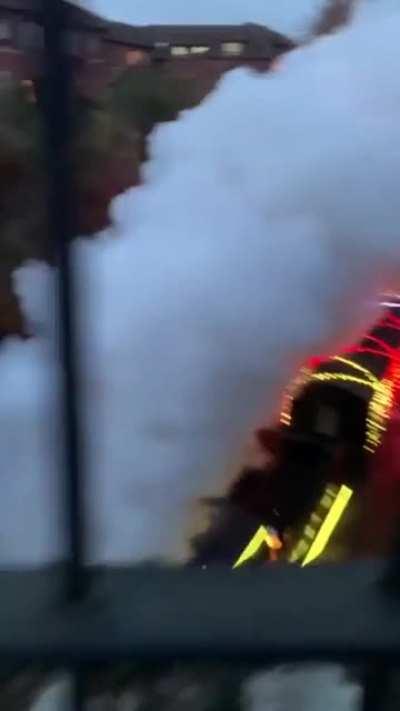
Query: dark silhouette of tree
point(335, 14)
point(105, 161)
point(142, 98)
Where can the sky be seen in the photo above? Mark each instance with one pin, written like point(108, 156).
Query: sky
point(373, 8)
point(291, 17)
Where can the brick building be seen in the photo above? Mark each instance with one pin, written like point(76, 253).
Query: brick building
point(199, 52)
point(22, 41)
point(101, 50)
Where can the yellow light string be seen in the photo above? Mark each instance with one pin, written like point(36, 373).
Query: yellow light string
point(326, 377)
point(263, 536)
point(321, 524)
point(356, 366)
point(314, 539)
point(329, 525)
point(290, 394)
point(380, 404)
point(317, 532)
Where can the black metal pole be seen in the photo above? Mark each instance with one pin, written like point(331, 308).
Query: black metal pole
point(79, 690)
point(57, 106)
point(376, 687)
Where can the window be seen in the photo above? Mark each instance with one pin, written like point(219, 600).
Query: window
point(199, 50)
point(30, 36)
point(161, 51)
point(135, 56)
point(232, 48)
point(180, 51)
point(5, 30)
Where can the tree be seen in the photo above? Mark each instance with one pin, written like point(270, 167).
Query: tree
point(142, 98)
point(335, 14)
point(105, 160)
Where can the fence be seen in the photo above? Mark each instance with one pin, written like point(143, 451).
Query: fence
point(70, 617)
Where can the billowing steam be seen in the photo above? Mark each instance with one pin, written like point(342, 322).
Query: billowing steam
point(268, 220)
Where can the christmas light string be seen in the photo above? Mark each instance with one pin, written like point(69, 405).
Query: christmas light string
point(382, 389)
point(290, 394)
point(321, 526)
point(315, 536)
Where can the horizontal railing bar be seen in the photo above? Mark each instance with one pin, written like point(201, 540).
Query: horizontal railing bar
point(323, 612)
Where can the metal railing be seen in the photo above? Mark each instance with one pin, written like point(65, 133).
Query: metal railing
point(73, 619)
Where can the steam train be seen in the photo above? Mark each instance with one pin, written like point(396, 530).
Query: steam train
point(309, 501)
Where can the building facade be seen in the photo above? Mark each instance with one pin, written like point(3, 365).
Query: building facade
point(102, 50)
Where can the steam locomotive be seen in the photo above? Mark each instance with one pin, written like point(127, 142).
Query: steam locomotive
point(309, 500)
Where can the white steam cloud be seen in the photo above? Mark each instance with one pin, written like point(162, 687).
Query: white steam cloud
point(266, 226)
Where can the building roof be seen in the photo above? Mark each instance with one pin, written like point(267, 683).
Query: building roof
point(86, 19)
point(259, 39)
point(152, 35)
point(77, 15)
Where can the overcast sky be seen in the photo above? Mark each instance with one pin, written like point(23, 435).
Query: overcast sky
point(288, 16)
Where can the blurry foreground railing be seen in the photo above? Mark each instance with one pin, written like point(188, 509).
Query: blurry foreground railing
point(322, 613)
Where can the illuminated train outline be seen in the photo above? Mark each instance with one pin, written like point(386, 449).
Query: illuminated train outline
point(335, 499)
